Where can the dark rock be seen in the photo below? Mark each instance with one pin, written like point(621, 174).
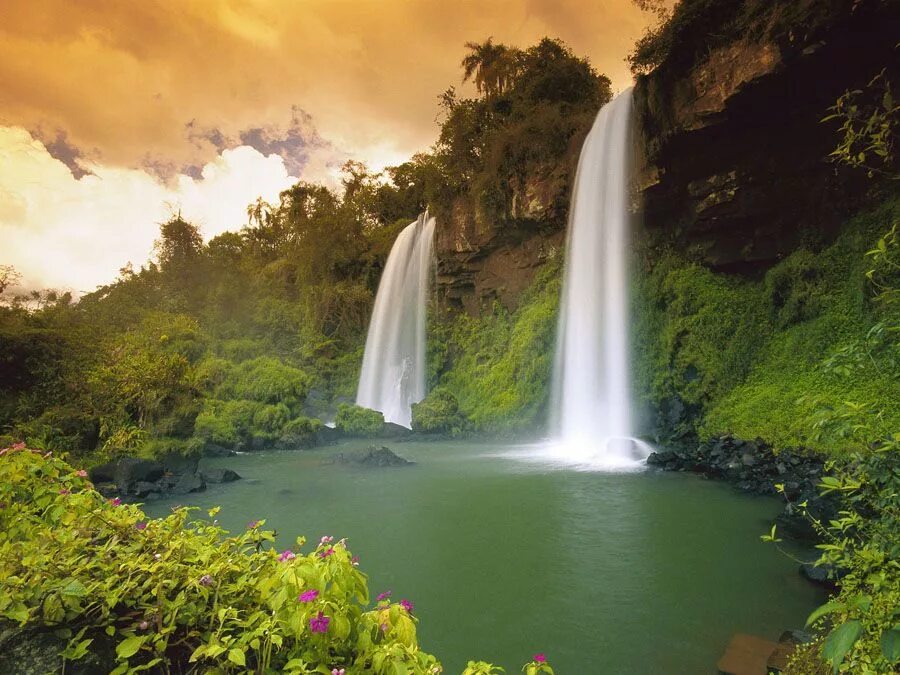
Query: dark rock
point(719, 174)
point(372, 456)
point(798, 637)
point(213, 450)
point(141, 489)
point(821, 575)
point(127, 471)
point(220, 475)
point(108, 490)
point(189, 482)
point(36, 651)
point(178, 464)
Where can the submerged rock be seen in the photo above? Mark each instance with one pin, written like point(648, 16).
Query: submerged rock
point(372, 456)
point(220, 475)
point(826, 576)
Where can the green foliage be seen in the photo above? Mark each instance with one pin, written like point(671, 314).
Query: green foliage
point(498, 365)
point(537, 104)
point(438, 413)
point(765, 358)
point(860, 624)
point(869, 119)
point(266, 380)
point(355, 420)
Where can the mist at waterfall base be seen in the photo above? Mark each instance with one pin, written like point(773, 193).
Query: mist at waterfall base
point(393, 370)
point(591, 407)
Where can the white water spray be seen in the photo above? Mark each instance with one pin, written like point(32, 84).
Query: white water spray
point(393, 369)
point(591, 394)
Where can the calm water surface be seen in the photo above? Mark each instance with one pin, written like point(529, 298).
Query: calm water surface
point(606, 573)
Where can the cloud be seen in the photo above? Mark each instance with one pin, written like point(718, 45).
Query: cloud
point(296, 143)
point(126, 78)
point(76, 233)
point(135, 109)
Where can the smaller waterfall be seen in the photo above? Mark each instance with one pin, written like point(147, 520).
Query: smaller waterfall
point(393, 369)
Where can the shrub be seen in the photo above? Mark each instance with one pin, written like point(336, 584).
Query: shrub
point(271, 419)
point(266, 380)
point(174, 592)
point(226, 423)
point(438, 413)
point(358, 421)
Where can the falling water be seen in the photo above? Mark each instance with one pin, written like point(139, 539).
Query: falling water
point(393, 370)
point(592, 411)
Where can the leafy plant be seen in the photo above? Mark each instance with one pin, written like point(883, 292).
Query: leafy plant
point(355, 420)
point(176, 595)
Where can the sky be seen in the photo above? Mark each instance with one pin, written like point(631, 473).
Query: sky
point(115, 114)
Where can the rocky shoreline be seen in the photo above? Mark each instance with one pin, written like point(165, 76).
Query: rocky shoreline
point(754, 467)
point(133, 479)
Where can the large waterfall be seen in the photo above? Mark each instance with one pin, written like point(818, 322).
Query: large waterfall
point(591, 393)
point(393, 370)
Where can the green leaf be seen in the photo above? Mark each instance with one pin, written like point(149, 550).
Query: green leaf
point(890, 644)
point(840, 641)
point(236, 655)
point(74, 588)
point(130, 646)
point(827, 608)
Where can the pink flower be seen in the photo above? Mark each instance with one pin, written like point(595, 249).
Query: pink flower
point(319, 624)
point(286, 555)
point(335, 671)
point(384, 628)
point(64, 492)
point(540, 658)
point(144, 625)
point(308, 596)
point(326, 539)
point(407, 605)
point(253, 524)
point(327, 552)
point(115, 501)
point(355, 561)
point(141, 525)
point(383, 596)
point(206, 580)
point(81, 473)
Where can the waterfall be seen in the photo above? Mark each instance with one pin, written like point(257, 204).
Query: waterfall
point(393, 369)
point(591, 395)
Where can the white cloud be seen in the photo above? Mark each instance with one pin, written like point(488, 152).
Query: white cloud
point(59, 232)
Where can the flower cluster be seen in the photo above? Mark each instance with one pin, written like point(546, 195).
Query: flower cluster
point(319, 623)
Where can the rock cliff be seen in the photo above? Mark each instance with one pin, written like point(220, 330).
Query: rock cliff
point(483, 258)
point(732, 155)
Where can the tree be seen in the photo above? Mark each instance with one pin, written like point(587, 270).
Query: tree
point(492, 67)
point(180, 243)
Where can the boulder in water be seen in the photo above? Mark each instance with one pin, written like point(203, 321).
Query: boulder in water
point(372, 456)
point(220, 476)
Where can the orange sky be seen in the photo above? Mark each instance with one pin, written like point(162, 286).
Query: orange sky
point(204, 105)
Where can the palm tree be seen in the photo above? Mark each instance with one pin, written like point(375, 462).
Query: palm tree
point(492, 67)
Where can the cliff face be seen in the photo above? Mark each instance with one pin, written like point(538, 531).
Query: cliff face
point(733, 161)
point(483, 258)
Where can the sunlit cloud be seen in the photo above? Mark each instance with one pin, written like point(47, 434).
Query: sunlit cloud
point(76, 233)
